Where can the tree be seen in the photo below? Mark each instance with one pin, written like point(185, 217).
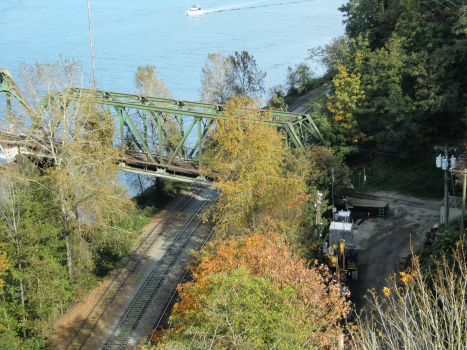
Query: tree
point(4, 264)
point(36, 283)
point(247, 158)
point(217, 79)
point(147, 82)
point(349, 98)
point(413, 71)
point(253, 292)
point(223, 76)
point(276, 101)
point(390, 113)
point(75, 139)
point(249, 79)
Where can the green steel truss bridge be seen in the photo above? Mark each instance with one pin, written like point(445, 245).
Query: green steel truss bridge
point(148, 147)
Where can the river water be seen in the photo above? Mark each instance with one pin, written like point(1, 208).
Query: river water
point(278, 33)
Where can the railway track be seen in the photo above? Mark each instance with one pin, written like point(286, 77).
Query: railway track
point(105, 300)
point(129, 321)
point(165, 314)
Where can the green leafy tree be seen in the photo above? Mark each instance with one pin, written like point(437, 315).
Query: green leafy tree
point(412, 70)
point(37, 281)
point(248, 79)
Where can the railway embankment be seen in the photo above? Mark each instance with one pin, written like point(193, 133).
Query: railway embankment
point(126, 307)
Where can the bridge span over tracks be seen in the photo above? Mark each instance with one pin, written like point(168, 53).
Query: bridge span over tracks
point(146, 129)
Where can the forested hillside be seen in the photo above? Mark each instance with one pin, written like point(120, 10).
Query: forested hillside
point(399, 88)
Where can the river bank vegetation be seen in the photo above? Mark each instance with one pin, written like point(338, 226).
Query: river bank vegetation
point(68, 220)
point(398, 88)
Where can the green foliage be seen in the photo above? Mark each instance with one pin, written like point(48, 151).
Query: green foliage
point(388, 172)
point(349, 97)
point(413, 71)
point(248, 80)
point(442, 247)
point(9, 340)
point(245, 311)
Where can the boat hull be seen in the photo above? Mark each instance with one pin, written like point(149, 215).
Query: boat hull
point(194, 13)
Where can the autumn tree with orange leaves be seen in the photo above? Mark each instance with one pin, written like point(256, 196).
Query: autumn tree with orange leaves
point(4, 264)
point(252, 292)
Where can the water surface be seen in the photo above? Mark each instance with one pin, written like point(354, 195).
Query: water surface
point(126, 34)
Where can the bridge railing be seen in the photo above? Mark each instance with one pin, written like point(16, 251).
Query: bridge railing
point(165, 135)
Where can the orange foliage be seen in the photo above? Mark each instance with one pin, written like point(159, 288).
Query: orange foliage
point(4, 264)
point(268, 256)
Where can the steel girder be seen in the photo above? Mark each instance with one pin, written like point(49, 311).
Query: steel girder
point(299, 128)
point(11, 90)
point(160, 151)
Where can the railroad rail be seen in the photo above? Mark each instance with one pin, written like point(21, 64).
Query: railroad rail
point(91, 320)
point(132, 316)
point(167, 306)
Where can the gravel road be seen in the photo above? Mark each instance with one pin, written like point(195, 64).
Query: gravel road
point(384, 241)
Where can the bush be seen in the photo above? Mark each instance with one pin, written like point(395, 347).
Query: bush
point(421, 313)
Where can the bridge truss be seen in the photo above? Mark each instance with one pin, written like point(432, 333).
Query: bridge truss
point(146, 128)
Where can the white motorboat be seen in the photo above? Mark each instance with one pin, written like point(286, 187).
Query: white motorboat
point(194, 10)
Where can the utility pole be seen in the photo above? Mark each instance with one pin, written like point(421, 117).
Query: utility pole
point(318, 213)
point(92, 53)
point(443, 162)
point(464, 186)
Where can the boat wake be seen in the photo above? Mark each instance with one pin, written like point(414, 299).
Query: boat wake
point(252, 6)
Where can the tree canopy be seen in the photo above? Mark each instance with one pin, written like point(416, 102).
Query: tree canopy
point(253, 292)
point(236, 74)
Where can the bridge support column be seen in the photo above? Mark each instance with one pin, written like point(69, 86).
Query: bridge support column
point(159, 132)
point(200, 149)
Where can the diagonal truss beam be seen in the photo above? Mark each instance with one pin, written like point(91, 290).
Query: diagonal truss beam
point(159, 117)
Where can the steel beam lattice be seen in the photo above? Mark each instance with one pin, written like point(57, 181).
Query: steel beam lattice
point(146, 127)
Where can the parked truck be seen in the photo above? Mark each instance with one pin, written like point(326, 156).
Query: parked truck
point(339, 250)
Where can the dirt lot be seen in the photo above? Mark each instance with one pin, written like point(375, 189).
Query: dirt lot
point(384, 241)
